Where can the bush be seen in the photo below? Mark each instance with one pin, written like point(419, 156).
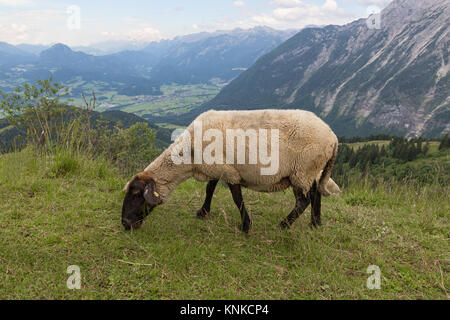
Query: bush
point(65, 132)
point(130, 149)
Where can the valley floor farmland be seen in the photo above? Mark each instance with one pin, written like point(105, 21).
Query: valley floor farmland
point(175, 99)
point(65, 210)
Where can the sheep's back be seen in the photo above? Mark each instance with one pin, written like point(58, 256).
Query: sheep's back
point(306, 143)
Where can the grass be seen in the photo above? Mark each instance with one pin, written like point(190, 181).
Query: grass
point(64, 210)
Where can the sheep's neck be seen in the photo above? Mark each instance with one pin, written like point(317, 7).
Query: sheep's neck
point(169, 175)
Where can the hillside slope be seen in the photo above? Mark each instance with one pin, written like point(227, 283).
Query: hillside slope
point(65, 210)
point(9, 133)
point(391, 80)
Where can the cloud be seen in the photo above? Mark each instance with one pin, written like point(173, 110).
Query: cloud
point(131, 20)
point(239, 4)
point(298, 14)
point(18, 32)
point(285, 3)
point(32, 26)
point(380, 3)
point(146, 34)
point(15, 3)
point(330, 5)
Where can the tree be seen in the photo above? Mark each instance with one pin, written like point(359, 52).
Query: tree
point(445, 143)
point(130, 149)
point(34, 107)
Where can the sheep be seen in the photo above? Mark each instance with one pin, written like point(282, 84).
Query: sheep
point(305, 146)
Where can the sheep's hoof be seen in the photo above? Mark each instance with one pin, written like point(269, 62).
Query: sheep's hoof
point(315, 224)
point(284, 225)
point(246, 227)
point(202, 213)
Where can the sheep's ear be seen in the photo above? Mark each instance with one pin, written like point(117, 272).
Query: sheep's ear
point(150, 195)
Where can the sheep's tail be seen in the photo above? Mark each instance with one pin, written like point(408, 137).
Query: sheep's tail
point(326, 173)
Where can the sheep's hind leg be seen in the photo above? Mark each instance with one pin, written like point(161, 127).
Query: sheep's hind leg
point(301, 203)
point(236, 192)
point(205, 209)
point(316, 202)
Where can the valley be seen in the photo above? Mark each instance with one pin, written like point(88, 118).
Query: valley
point(174, 98)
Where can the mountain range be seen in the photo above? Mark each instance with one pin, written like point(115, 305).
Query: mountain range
point(198, 58)
point(220, 55)
point(360, 80)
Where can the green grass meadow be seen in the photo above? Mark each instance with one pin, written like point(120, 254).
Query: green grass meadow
point(65, 209)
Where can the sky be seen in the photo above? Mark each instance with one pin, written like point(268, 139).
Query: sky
point(84, 22)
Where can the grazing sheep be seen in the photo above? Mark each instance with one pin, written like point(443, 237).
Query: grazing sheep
point(305, 146)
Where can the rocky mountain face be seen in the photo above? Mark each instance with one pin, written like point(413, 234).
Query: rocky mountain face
point(361, 80)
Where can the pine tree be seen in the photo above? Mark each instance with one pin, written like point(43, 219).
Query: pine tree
point(445, 143)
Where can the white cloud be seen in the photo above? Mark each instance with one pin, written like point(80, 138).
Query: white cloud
point(285, 3)
point(146, 34)
point(330, 5)
point(239, 4)
point(18, 32)
point(374, 6)
point(131, 20)
point(297, 14)
point(380, 3)
point(14, 3)
point(31, 26)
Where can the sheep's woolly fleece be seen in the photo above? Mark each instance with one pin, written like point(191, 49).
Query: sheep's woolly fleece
point(307, 146)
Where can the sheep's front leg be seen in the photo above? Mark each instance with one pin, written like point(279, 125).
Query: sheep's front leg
point(205, 209)
point(236, 192)
point(301, 203)
point(316, 202)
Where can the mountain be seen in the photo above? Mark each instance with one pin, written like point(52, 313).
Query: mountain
point(110, 47)
point(219, 56)
point(360, 80)
point(196, 58)
point(11, 55)
point(61, 56)
point(34, 49)
point(124, 72)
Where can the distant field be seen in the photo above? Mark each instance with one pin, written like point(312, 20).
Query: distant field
point(169, 126)
point(175, 99)
point(57, 212)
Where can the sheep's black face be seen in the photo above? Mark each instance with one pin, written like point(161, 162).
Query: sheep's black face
point(139, 201)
